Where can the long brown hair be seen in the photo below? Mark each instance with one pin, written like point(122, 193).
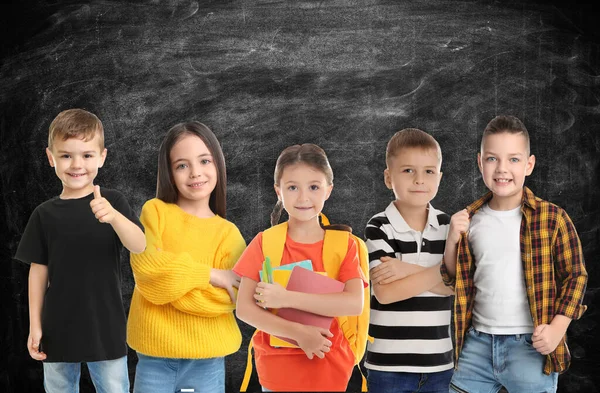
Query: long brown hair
point(308, 154)
point(165, 186)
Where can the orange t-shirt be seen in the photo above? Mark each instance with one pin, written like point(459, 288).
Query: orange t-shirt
point(288, 369)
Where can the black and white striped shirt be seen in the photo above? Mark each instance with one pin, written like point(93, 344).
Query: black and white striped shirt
point(411, 335)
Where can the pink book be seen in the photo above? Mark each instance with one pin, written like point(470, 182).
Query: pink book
point(307, 281)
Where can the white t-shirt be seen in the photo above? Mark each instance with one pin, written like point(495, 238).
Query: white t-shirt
point(501, 304)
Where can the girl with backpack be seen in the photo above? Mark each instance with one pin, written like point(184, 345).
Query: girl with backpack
point(324, 359)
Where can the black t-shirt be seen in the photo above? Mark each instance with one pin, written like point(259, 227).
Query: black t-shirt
point(83, 318)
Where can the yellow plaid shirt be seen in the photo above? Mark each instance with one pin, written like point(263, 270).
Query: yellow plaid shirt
point(553, 266)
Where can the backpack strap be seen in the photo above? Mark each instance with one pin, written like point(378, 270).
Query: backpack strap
point(273, 243)
point(248, 372)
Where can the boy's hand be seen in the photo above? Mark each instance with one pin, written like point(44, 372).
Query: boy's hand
point(546, 338)
point(101, 208)
point(313, 341)
point(33, 344)
point(392, 269)
point(271, 295)
point(459, 223)
point(225, 279)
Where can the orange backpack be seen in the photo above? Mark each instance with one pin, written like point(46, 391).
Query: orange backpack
point(335, 247)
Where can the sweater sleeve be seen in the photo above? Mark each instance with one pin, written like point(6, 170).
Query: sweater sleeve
point(161, 276)
point(213, 301)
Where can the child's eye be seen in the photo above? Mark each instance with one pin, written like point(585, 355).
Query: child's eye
point(181, 166)
point(408, 170)
point(205, 161)
point(314, 187)
point(88, 156)
point(491, 159)
point(65, 156)
point(431, 172)
point(292, 188)
point(514, 159)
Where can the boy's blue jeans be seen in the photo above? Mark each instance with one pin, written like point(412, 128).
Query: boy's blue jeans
point(400, 382)
point(167, 375)
point(108, 376)
point(489, 361)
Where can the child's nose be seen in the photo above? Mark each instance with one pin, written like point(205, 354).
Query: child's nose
point(76, 162)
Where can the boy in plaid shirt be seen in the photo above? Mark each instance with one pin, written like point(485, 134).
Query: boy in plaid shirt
point(517, 267)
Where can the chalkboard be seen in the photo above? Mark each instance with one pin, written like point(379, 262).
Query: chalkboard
point(263, 75)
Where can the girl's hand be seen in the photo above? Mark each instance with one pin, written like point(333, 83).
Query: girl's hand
point(271, 295)
point(313, 341)
point(225, 279)
point(392, 269)
point(33, 344)
point(459, 223)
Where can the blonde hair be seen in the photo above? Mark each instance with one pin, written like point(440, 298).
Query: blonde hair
point(410, 138)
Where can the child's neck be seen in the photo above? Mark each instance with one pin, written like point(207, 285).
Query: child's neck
point(415, 216)
point(200, 209)
point(68, 193)
point(305, 231)
point(505, 203)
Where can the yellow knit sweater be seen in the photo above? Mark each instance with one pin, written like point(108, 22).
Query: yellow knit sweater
point(175, 312)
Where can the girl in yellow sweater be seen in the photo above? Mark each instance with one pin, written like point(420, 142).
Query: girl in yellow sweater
point(181, 320)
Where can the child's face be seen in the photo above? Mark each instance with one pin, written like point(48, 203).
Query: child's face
point(303, 191)
point(414, 176)
point(504, 163)
point(193, 168)
point(76, 163)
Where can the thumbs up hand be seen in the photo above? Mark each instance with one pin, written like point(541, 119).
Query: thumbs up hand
point(101, 208)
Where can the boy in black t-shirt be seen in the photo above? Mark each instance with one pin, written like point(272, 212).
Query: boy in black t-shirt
point(76, 312)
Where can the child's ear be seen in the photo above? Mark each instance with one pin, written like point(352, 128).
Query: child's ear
point(530, 165)
point(329, 189)
point(50, 158)
point(479, 163)
point(102, 157)
point(277, 191)
point(387, 178)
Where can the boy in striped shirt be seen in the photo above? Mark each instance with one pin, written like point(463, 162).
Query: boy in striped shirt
point(410, 306)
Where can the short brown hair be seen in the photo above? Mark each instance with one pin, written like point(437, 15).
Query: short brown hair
point(76, 123)
point(506, 123)
point(411, 138)
point(166, 190)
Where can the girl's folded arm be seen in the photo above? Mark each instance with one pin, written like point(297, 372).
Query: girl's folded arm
point(162, 276)
point(250, 312)
point(346, 303)
point(214, 301)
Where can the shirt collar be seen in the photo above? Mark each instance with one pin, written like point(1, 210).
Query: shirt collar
point(400, 225)
point(528, 200)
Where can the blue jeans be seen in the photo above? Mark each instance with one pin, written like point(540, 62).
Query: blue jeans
point(168, 375)
point(489, 361)
point(400, 382)
point(108, 376)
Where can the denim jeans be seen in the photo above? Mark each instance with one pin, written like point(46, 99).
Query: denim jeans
point(489, 361)
point(168, 375)
point(108, 376)
point(401, 382)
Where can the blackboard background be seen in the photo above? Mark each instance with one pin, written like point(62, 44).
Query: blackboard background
point(263, 75)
